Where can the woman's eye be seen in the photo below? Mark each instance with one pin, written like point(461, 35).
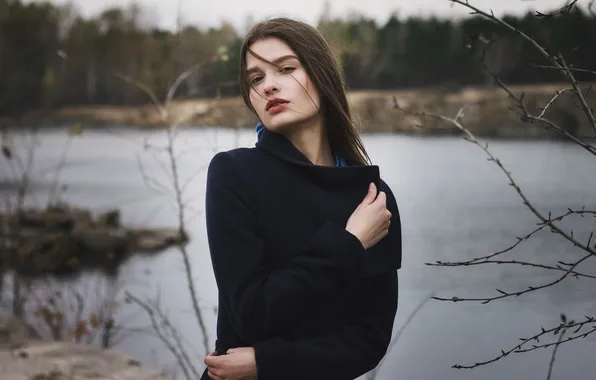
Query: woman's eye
point(287, 69)
point(255, 80)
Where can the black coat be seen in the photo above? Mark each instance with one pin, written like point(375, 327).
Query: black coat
point(293, 283)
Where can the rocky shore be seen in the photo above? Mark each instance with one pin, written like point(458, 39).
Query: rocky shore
point(63, 240)
point(24, 357)
point(489, 112)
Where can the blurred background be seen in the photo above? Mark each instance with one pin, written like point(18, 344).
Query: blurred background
point(110, 112)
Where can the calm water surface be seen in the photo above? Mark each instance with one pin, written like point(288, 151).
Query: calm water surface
point(454, 204)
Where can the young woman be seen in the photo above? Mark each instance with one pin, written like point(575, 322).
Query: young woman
point(305, 238)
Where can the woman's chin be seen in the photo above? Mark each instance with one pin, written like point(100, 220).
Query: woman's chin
point(280, 124)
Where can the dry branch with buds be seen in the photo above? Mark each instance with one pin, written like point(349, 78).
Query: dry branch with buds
point(168, 334)
point(176, 189)
point(556, 60)
point(526, 344)
point(567, 269)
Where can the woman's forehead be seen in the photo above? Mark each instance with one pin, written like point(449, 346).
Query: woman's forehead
point(271, 49)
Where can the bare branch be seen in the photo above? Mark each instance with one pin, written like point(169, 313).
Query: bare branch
point(556, 61)
point(504, 294)
point(179, 80)
point(178, 188)
point(165, 108)
point(554, 354)
point(519, 348)
point(372, 375)
point(514, 262)
point(191, 177)
point(572, 338)
point(26, 174)
point(564, 9)
point(558, 68)
point(528, 117)
point(147, 91)
point(185, 255)
point(163, 327)
point(586, 108)
point(541, 226)
point(52, 197)
point(590, 148)
point(550, 102)
point(149, 181)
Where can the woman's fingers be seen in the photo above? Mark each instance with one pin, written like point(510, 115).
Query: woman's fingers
point(214, 376)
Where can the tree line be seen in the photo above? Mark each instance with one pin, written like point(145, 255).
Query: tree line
point(51, 56)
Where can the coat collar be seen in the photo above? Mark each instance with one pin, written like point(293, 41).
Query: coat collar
point(279, 146)
point(352, 176)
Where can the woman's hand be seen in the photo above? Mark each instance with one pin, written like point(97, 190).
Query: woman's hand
point(238, 364)
point(370, 221)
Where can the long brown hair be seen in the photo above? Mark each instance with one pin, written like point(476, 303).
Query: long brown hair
point(326, 74)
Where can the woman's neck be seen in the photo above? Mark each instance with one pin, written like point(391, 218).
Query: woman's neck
point(312, 141)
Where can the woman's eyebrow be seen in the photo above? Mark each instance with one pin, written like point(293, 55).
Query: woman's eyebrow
point(276, 61)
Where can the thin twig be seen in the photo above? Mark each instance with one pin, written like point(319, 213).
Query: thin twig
point(528, 117)
point(53, 196)
point(564, 9)
point(551, 102)
point(504, 294)
point(525, 341)
point(551, 364)
point(373, 374)
point(558, 68)
point(179, 80)
point(158, 320)
point(149, 181)
point(143, 87)
point(512, 262)
point(541, 226)
point(185, 254)
point(578, 92)
point(579, 141)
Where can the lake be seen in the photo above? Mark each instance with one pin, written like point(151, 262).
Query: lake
point(454, 205)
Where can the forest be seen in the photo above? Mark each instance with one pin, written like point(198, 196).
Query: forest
point(51, 56)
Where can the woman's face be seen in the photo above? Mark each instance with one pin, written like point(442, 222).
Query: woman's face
point(282, 94)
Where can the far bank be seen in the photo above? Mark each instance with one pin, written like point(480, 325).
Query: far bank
point(490, 112)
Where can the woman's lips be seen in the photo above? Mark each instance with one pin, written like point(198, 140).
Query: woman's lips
point(274, 102)
point(277, 108)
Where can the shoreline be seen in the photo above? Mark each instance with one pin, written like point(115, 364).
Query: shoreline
point(489, 113)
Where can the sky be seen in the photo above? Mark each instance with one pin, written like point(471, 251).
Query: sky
point(211, 13)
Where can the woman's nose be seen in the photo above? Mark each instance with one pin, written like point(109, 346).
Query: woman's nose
point(271, 88)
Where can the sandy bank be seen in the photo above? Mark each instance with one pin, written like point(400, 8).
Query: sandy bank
point(489, 112)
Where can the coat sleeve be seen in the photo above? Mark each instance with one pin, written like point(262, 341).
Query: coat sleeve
point(342, 354)
point(261, 303)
